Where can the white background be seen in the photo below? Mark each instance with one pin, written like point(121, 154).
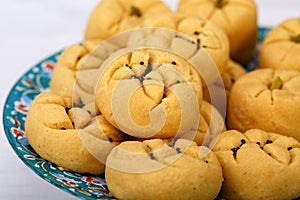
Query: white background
point(30, 30)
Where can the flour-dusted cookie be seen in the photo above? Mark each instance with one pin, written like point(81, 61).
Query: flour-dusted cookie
point(206, 34)
point(50, 131)
point(154, 170)
point(259, 165)
point(114, 16)
point(237, 17)
point(266, 99)
point(150, 93)
point(281, 47)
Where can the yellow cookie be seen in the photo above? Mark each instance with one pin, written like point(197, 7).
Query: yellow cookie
point(259, 165)
point(232, 73)
point(205, 33)
point(72, 60)
point(267, 99)
point(237, 17)
point(114, 16)
point(50, 131)
point(154, 170)
point(281, 47)
point(150, 93)
point(210, 126)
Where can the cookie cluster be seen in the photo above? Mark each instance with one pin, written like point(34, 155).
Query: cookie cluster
point(143, 100)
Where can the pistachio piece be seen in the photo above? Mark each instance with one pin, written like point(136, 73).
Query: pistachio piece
point(276, 84)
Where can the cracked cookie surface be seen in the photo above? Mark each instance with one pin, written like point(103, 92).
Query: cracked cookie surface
point(259, 165)
point(231, 15)
point(153, 169)
point(51, 131)
point(150, 93)
point(110, 17)
point(281, 47)
point(254, 103)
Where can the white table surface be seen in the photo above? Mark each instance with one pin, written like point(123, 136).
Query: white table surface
point(33, 29)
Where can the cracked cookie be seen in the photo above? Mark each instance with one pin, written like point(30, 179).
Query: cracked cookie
point(153, 169)
point(150, 93)
point(232, 73)
point(51, 132)
point(72, 60)
point(210, 126)
point(258, 165)
point(281, 47)
point(267, 99)
point(204, 33)
point(110, 17)
point(238, 18)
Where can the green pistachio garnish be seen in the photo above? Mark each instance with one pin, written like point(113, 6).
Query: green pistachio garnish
point(296, 38)
point(134, 11)
point(221, 3)
point(276, 84)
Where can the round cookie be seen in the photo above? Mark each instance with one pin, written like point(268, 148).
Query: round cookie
point(237, 17)
point(77, 58)
point(267, 99)
point(206, 34)
point(150, 93)
point(110, 17)
point(259, 165)
point(51, 133)
point(281, 47)
point(154, 170)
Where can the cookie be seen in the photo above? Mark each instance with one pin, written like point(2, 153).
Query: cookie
point(51, 132)
point(70, 61)
point(110, 17)
point(238, 18)
point(266, 99)
point(281, 47)
point(154, 170)
point(206, 34)
point(232, 73)
point(210, 126)
point(150, 93)
point(259, 165)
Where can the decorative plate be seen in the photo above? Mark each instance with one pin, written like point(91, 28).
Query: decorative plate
point(35, 81)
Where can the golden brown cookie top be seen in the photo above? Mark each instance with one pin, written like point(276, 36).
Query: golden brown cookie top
point(149, 80)
point(281, 47)
point(271, 83)
point(155, 154)
point(206, 34)
point(231, 15)
point(271, 144)
point(259, 165)
point(70, 137)
point(114, 16)
point(287, 31)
